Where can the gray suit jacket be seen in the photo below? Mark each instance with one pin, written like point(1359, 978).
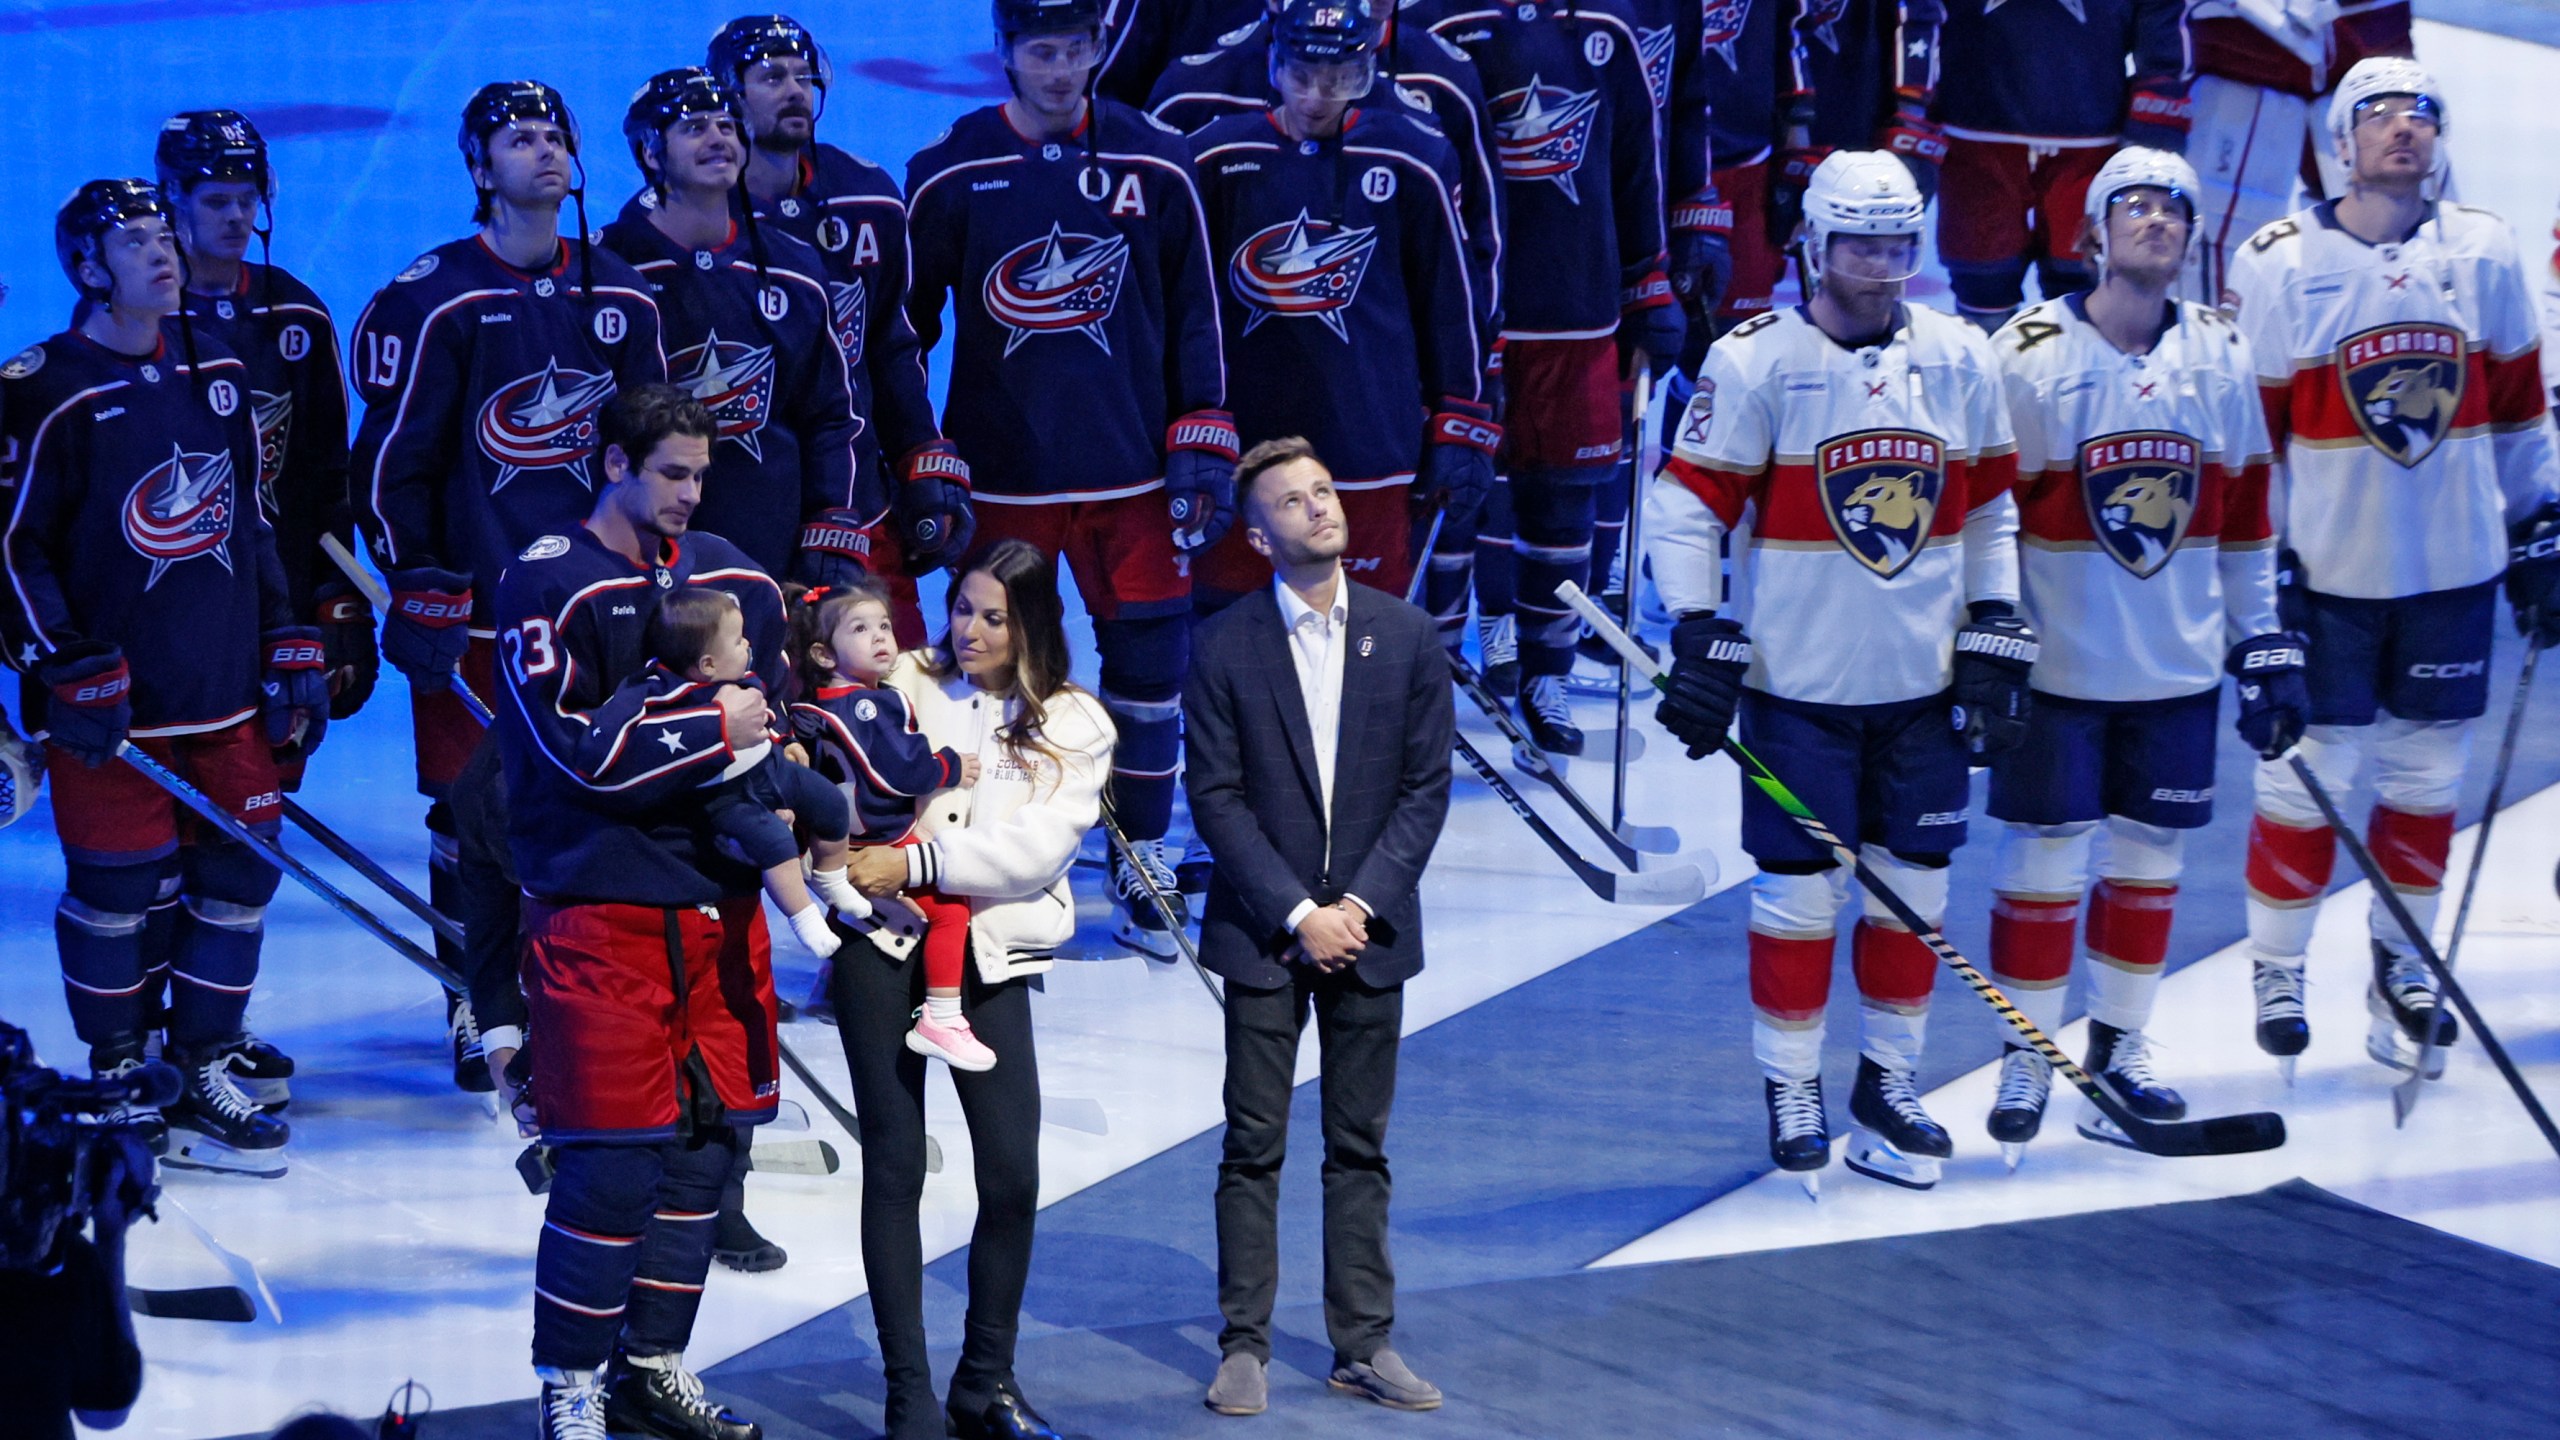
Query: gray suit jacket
point(1250, 770)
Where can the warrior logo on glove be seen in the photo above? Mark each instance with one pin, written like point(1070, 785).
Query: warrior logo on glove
point(2405, 383)
point(544, 421)
point(179, 510)
point(1302, 267)
point(1880, 491)
point(1543, 131)
point(1058, 283)
point(734, 381)
point(2140, 488)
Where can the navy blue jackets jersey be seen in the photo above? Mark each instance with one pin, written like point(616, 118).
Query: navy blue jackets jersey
point(134, 522)
point(599, 763)
point(280, 329)
point(1345, 285)
point(1086, 318)
point(2021, 69)
point(1857, 54)
point(1669, 42)
point(759, 346)
point(1747, 56)
point(1573, 129)
point(1431, 77)
point(864, 737)
point(849, 210)
point(481, 385)
point(1143, 37)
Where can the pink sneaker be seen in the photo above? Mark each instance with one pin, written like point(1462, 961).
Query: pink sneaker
point(958, 1045)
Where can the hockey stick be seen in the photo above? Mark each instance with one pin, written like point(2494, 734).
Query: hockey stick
point(1164, 908)
point(244, 1274)
point(2404, 1096)
point(228, 1304)
point(1631, 535)
point(380, 600)
point(2417, 937)
point(2221, 1135)
point(795, 1157)
point(274, 854)
point(1678, 885)
point(1630, 843)
point(828, 1102)
point(363, 864)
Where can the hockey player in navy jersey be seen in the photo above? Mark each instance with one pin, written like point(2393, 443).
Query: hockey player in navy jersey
point(1348, 296)
point(1748, 57)
point(1088, 388)
point(646, 964)
point(852, 213)
point(1856, 450)
point(2148, 566)
point(483, 366)
point(1583, 215)
point(145, 604)
point(1866, 73)
point(2034, 99)
point(1144, 38)
point(747, 328)
point(2399, 361)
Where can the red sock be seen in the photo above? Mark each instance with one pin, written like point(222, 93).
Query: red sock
point(1790, 978)
point(1893, 966)
point(2129, 923)
point(2411, 849)
point(2289, 864)
point(2031, 940)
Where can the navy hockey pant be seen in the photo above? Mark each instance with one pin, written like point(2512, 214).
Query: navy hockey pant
point(626, 1246)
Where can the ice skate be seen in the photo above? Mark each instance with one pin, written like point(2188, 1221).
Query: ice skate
point(470, 1062)
point(216, 1126)
point(2120, 1060)
point(1142, 926)
point(571, 1406)
point(2282, 1030)
point(264, 1073)
point(114, 1063)
point(656, 1395)
point(1799, 1138)
point(2402, 1001)
point(2017, 1112)
point(1547, 714)
point(1498, 647)
point(1895, 1140)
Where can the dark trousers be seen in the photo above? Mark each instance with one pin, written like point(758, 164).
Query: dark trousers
point(1357, 1027)
point(875, 1000)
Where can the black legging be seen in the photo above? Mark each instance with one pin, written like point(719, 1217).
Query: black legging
point(875, 999)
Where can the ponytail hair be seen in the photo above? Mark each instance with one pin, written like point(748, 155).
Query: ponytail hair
point(813, 612)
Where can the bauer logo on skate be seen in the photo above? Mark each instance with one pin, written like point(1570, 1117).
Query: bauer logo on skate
point(734, 381)
point(544, 421)
point(1057, 284)
point(2403, 384)
point(1302, 267)
point(1543, 132)
point(179, 510)
point(2140, 488)
point(1880, 491)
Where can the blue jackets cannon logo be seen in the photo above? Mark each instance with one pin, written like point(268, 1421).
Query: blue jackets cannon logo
point(1302, 267)
point(1057, 284)
point(547, 420)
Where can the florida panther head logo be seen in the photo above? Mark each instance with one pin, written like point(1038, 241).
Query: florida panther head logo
point(2405, 383)
point(2140, 490)
point(1880, 490)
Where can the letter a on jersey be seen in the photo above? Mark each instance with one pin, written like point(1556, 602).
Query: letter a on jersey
point(1543, 131)
point(1058, 283)
point(2140, 490)
point(1880, 491)
point(2404, 383)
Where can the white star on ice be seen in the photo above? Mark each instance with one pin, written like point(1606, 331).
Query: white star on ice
point(673, 741)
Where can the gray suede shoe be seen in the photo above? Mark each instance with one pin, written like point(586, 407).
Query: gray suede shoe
point(1384, 1378)
point(1242, 1387)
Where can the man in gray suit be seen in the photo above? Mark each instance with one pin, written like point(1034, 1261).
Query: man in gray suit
point(1319, 726)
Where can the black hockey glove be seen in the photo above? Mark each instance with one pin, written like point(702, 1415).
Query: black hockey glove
point(1200, 478)
point(2274, 700)
point(2293, 592)
point(429, 627)
point(1457, 466)
point(1649, 319)
point(296, 679)
point(346, 632)
point(1993, 656)
point(1708, 657)
point(834, 549)
point(1701, 251)
point(2533, 574)
point(935, 521)
point(92, 700)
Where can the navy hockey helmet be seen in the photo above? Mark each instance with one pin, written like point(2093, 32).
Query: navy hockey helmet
point(197, 146)
point(1016, 18)
point(1325, 49)
point(670, 96)
point(91, 213)
point(500, 103)
point(751, 38)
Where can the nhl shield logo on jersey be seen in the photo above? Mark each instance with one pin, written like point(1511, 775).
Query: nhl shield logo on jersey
point(2404, 382)
point(1302, 267)
point(1721, 27)
point(544, 421)
point(734, 381)
point(1653, 52)
point(1057, 284)
point(1543, 132)
point(181, 509)
point(2140, 489)
point(1880, 491)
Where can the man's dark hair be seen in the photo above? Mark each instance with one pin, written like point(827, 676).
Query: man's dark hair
point(640, 417)
point(685, 623)
point(1268, 456)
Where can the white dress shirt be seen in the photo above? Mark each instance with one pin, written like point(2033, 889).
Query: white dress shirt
point(1316, 650)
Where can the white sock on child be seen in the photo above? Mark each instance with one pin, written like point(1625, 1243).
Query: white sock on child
point(945, 1009)
point(834, 887)
point(810, 924)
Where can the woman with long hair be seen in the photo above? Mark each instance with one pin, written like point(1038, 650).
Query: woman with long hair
point(997, 689)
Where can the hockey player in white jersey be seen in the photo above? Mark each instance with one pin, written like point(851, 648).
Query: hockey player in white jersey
point(2397, 354)
point(1856, 450)
point(2148, 565)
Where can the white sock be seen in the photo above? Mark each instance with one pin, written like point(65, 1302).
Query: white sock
point(837, 890)
point(945, 1009)
point(810, 924)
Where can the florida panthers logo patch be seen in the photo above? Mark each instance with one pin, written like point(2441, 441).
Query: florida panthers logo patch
point(547, 420)
point(849, 311)
point(179, 510)
point(734, 381)
point(1302, 267)
point(1543, 132)
point(1653, 52)
point(1057, 284)
point(273, 414)
point(1723, 24)
point(1880, 491)
point(2140, 489)
point(2404, 382)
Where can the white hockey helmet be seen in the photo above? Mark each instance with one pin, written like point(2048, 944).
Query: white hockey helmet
point(1861, 192)
point(2134, 167)
point(2373, 78)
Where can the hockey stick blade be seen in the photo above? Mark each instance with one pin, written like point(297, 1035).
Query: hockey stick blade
point(243, 1274)
point(1075, 1112)
point(2220, 1135)
point(795, 1157)
point(1651, 839)
point(835, 1108)
point(1629, 842)
point(1529, 760)
point(1677, 885)
point(224, 1304)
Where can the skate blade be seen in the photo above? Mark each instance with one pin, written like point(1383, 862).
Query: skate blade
point(1154, 944)
point(190, 1150)
point(2285, 1065)
point(1811, 1180)
point(2011, 1152)
point(2386, 1044)
point(1872, 1157)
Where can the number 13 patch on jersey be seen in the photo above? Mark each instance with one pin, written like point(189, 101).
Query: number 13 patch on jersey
point(1880, 491)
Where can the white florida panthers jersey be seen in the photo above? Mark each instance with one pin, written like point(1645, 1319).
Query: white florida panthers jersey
point(2404, 384)
point(2144, 546)
point(1867, 494)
